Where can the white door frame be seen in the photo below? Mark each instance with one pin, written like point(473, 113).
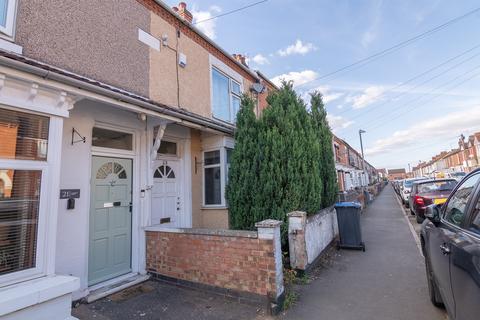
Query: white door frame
point(136, 255)
point(184, 158)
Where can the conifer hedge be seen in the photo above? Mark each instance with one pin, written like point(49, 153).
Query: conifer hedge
point(282, 161)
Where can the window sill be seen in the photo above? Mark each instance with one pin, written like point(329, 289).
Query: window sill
point(29, 293)
point(214, 207)
point(9, 46)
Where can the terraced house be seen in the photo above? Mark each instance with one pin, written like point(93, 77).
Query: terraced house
point(114, 116)
point(352, 170)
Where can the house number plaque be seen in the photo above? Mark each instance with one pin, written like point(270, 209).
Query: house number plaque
point(69, 193)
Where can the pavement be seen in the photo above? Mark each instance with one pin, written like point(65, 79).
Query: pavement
point(154, 300)
point(387, 282)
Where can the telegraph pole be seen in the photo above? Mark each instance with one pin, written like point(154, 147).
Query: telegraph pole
point(361, 148)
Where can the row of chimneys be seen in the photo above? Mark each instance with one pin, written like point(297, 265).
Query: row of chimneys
point(182, 11)
point(186, 15)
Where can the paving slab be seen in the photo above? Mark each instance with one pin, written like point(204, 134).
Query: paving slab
point(386, 282)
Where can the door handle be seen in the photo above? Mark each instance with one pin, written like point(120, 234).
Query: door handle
point(445, 249)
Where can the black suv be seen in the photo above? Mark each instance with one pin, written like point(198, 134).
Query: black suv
point(451, 245)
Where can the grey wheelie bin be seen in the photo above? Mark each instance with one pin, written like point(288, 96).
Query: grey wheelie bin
point(348, 217)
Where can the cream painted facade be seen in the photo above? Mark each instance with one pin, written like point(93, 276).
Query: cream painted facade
point(192, 91)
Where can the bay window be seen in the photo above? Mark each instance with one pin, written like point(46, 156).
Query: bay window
point(23, 166)
point(226, 94)
point(216, 164)
point(7, 16)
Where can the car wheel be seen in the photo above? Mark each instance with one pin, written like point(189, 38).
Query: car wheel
point(433, 291)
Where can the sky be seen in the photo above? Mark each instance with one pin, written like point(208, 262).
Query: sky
point(413, 102)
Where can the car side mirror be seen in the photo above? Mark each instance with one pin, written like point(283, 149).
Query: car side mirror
point(432, 213)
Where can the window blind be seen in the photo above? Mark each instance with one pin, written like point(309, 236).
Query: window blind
point(19, 211)
point(24, 136)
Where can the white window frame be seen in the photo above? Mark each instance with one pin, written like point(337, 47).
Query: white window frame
point(231, 94)
point(106, 126)
point(48, 198)
point(222, 177)
point(170, 156)
point(10, 18)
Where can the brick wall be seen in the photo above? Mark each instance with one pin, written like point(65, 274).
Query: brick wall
point(240, 261)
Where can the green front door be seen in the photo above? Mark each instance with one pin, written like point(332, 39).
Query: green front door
point(110, 219)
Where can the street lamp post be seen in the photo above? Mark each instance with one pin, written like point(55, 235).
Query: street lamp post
point(361, 148)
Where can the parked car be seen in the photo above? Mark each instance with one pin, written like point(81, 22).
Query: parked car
point(426, 192)
point(406, 188)
point(450, 239)
point(396, 186)
point(457, 175)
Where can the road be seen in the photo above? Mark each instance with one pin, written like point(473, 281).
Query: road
point(385, 282)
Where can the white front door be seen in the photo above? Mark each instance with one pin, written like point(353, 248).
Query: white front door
point(166, 195)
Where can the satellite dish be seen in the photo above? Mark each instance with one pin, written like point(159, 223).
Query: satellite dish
point(257, 87)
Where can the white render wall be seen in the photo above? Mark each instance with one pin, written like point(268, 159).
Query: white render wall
point(309, 236)
point(320, 230)
point(73, 225)
point(73, 233)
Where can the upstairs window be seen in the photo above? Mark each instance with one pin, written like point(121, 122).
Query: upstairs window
point(226, 94)
point(7, 16)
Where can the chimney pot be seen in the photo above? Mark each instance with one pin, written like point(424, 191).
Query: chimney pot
point(240, 58)
point(182, 11)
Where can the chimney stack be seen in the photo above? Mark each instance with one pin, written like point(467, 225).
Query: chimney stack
point(182, 11)
point(240, 58)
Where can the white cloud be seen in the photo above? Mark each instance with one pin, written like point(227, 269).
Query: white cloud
point(207, 27)
point(436, 128)
point(260, 59)
point(369, 96)
point(298, 78)
point(338, 122)
point(371, 33)
point(368, 37)
point(297, 48)
point(327, 94)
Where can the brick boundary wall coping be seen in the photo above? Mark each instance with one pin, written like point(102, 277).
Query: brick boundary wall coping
point(207, 232)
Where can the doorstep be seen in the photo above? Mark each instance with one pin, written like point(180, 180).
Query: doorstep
point(109, 287)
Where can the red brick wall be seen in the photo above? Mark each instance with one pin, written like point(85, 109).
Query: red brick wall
point(237, 263)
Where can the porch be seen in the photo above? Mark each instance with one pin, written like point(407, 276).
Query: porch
point(132, 171)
